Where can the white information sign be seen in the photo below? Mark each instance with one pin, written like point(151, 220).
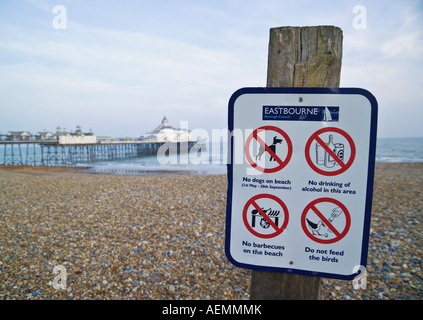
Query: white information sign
point(300, 179)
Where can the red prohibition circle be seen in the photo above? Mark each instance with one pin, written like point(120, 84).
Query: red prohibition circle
point(252, 202)
point(339, 235)
point(282, 163)
point(344, 166)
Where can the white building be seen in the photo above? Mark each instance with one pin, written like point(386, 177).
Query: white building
point(45, 135)
point(166, 133)
point(18, 136)
point(77, 137)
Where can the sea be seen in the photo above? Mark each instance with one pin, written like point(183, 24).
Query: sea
point(213, 159)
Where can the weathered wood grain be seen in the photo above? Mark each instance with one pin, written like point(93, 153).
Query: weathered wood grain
point(305, 57)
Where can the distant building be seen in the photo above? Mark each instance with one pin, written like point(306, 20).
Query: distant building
point(77, 137)
point(166, 133)
point(45, 135)
point(59, 131)
point(126, 138)
point(18, 136)
point(64, 137)
point(103, 139)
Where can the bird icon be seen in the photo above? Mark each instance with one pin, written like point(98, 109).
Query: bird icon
point(318, 228)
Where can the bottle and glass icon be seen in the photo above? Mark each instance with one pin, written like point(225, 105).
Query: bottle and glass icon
point(323, 157)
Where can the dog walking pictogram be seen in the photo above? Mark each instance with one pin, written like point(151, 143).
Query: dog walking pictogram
point(274, 149)
point(325, 220)
point(265, 216)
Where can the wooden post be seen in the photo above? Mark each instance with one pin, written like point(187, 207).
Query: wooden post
point(304, 57)
point(298, 57)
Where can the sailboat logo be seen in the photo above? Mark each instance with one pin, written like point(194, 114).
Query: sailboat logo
point(330, 114)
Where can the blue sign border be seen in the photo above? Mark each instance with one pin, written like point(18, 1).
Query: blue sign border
point(370, 174)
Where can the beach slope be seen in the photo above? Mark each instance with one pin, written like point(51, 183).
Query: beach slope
point(162, 237)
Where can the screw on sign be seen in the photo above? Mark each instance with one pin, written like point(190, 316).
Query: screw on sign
point(270, 157)
point(332, 157)
point(265, 216)
point(325, 220)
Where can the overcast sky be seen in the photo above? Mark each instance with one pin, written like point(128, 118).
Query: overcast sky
point(117, 67)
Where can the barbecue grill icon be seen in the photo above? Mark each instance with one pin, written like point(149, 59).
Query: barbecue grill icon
point(263, 222)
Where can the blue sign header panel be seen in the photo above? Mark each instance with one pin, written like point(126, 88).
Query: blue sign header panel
point(306, 113)
point(300, 180)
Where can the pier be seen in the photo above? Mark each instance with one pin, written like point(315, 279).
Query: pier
point(64, 148)
point(52, 153)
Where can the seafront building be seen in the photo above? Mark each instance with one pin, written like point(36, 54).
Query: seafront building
point(18, 136)
point(77, 137)
point(62, 136)
point(166, 133)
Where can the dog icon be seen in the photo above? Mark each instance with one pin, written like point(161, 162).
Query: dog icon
point(272, 147)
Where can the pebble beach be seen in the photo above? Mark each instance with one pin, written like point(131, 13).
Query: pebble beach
point(119, 237)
